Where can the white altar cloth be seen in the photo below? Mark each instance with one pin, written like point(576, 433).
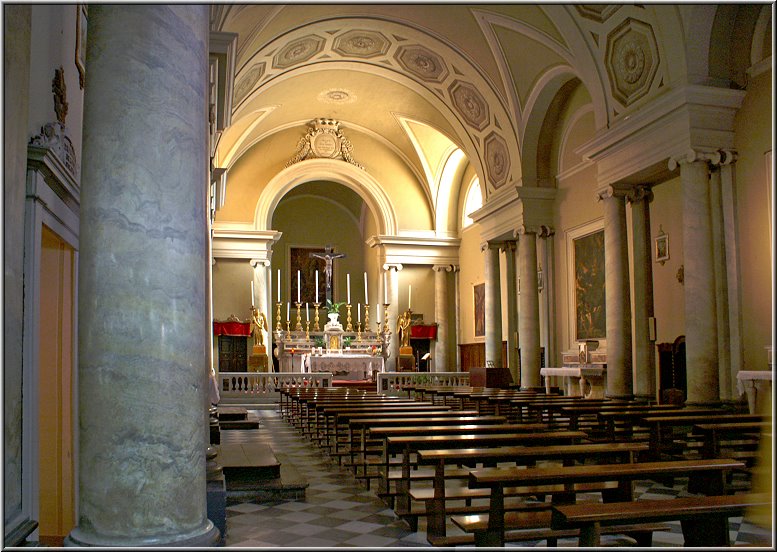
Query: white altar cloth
point(344, 366)
point(590, 380)
point(757, 384)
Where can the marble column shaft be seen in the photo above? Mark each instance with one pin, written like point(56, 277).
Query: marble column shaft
point(619, 375)
point(143, 332)
point(644, 348)
point(392, 362)
point(512, 311)
point(701, 327)
point(493, 307)
point(721, 285)
point(441, 308)
point(529, 315)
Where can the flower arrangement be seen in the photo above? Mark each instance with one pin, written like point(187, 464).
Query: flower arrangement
point(333, 307)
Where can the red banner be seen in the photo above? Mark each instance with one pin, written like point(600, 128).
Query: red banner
point(421, 331)
point(231, 328)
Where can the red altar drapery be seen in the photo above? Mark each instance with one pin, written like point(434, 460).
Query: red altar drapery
point(422, 331)
point(231, 328)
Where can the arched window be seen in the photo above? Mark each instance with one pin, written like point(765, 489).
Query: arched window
point(473, 202)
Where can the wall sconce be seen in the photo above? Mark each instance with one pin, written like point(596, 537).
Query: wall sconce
point(680, 274)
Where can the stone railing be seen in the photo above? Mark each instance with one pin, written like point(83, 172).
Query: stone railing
point(393, 383)
point(263, 385)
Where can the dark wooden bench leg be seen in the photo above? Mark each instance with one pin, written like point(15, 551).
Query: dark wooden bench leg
point(590, 535)
point(489, 538)
point(708, 530)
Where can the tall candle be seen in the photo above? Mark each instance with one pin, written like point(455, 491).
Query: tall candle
point(298, 288)
point(366, 297)
point(307, 313)
point(279, 285)
point(348, 288)
point(359, 312)
point(385, 288)
point(409, 294)
point(252, 294)
point(316, 286)
point(288, 309)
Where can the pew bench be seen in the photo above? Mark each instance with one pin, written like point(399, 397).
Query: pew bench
point(734, 439)
point(704, 519)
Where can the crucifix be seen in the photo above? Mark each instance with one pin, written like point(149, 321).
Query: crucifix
point(328, 256)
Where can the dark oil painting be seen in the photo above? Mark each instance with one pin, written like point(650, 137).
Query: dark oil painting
point(479, 291)
point(301, 260)
point(589, 287)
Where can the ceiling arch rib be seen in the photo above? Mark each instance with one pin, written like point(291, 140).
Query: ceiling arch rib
point(469, 101)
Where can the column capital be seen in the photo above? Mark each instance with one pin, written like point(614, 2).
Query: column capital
point(614, 191)
point(256, 262)
point(392, 266)
point(692, 156)
point(541, 230)
point(640, 193)
point(446, 268)
point(491, 245)
point(510, 245)
point(724, 157)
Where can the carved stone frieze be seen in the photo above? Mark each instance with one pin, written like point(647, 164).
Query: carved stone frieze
point(248, 81)
point(324, 139)
point(470, 104)
point(423, 63)
point(497, 159)
point(361, 44)
point(52, 137)
point(632, 60)
point(298, 51)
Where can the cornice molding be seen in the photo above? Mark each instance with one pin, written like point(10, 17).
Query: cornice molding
point(416, 250)
point(233, 242)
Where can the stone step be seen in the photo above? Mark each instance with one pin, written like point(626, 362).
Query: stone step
point(229, 413)
point(248, 465)
point(239, 424)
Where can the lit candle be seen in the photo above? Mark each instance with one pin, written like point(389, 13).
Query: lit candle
point(409, 294)
point(348, 288)
point(288, 308)
point(279, 285)
point(298, 288)
point(307, 313)
point(252, 294)
point(385, 288)
point(359, 313)
point(366, 297)
point(316, 286)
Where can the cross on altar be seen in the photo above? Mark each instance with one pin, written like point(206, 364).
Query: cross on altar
point(328, 256)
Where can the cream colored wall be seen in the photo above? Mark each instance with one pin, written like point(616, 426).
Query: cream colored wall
point(249, 175)
point(753, 138)
point(421, 278)
point(472, 265)
point(232, 289)
point(307, 223)
point(666, 213)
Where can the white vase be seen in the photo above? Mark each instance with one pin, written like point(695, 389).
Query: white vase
point(333, 316)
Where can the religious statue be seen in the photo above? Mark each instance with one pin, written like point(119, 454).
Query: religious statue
point(258, 326)
point(403, 329)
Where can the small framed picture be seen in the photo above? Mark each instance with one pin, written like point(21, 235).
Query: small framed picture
point(662, 248)
point(81, 21)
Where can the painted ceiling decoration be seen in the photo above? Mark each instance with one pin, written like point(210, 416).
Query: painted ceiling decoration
point(324, 140)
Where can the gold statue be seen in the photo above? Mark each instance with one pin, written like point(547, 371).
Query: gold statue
point(403, 328)
point(258, 326)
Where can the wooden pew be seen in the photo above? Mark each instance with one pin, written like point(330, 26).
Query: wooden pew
point(707, 475)
point(435, 498)
point(629, 419)
point(704, 519)
point(716, 435)
point(574, 414)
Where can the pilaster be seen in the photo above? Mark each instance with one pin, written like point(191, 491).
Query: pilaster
point(442, 275)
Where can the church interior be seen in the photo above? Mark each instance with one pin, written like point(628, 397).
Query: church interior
point(504, 195)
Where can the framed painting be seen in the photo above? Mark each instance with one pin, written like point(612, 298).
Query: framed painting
point(585, 254)
point(479, 298)
point(300, 260)
point(662, 248)
point(81, 21)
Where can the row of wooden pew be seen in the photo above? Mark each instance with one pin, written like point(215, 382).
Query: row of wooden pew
point(489, 459)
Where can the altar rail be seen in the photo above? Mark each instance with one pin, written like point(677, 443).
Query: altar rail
point(263, 385)
point(393, 383)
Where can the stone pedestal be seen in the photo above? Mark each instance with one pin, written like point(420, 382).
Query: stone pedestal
point(407, 361)
point(258, 360)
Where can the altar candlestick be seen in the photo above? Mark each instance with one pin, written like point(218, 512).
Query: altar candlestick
point(409, 294)
point(279, 285)
point(366, 298)
point(316, 286)
point(385, 287)
point(288, 308)
point(348, 288)
point(252, 294)
point(359, 313)
point(307, 313)
point(298, 288)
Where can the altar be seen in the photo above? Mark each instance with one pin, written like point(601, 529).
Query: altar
point(757, 385)
point(344, 366)
point(585, 380)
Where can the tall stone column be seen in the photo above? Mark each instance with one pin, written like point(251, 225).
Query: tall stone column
point(616, 274)
point(512, 311)
point(493, 305)
point(529, 316)
point(143, 332)
point(644, 347)
point(720, 159)
point(392, 283)
point(442, 347)
point(701, 326)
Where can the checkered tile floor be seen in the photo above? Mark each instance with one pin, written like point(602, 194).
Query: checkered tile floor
point(338, 511)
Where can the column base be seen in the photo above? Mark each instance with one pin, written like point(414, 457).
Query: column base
point(208, 536)
point(628, 397)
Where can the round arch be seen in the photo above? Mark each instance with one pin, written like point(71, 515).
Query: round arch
point(326, 169)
